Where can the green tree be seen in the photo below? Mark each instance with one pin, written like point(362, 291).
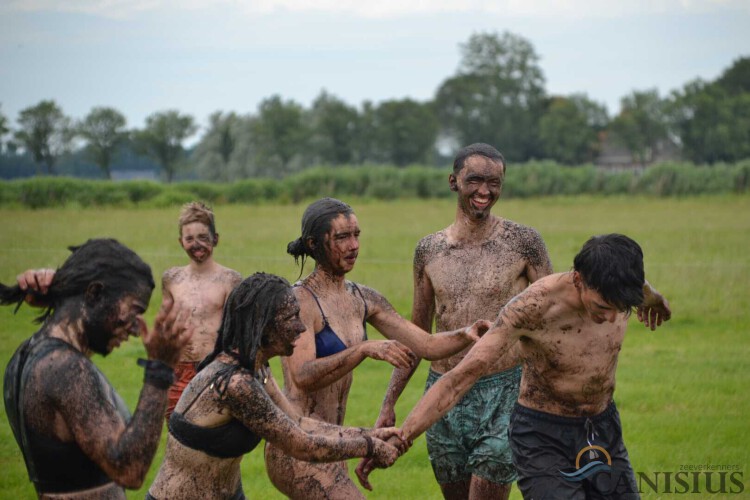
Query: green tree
point(163, 137)
point(334, 129)
point(406, 131)
point(45, 132)
point(736, 79)
point(103, 130)
point(497, 95)
point(712, 124)
point(280, 134)
point(641, 125)
point(4, 129)
point(216, 149)
point(570, 128)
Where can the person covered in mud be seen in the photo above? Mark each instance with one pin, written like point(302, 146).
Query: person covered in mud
point(201, 287)
point(233, 402)
point(75, 433)
point(569, 328)
point(462, 273)
point(335, 312)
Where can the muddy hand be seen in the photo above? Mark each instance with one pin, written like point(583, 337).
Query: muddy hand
point(36, 283)
point(654, 311)
point(392, 351)
point(363, 470)
point(477, 329)
point(385, 454)
point(172, 331)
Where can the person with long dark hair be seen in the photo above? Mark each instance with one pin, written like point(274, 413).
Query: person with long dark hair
point(233, 402)
point(76, 435)
point(335, 312)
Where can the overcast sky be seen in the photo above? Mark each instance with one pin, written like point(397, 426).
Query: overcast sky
point(200, 56)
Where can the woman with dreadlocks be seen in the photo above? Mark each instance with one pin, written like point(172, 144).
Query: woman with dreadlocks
point(76, 435)
point(335, 312)
point(233, 403)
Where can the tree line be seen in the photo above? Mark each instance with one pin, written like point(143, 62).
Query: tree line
point(497, 95)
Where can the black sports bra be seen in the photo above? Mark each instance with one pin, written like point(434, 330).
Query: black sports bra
point(230, 440)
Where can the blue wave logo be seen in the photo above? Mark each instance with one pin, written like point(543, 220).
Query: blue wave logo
point(591, 468)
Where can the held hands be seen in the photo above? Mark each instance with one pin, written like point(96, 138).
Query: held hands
point(654, 310)
point(477, 329)
point(387, 418)
point(392, 351)
point(396, 439)
point(172, 331)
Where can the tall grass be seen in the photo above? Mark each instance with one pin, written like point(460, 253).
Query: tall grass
point(682, 390)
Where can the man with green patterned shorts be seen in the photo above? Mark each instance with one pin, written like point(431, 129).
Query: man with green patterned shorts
point(469, 271)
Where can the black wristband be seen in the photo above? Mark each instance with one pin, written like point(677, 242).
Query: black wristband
point(157, 373)
point(370, 446)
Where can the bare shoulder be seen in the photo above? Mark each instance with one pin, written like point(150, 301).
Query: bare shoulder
point(374, 299)
point(230, 276)
point(428, 247)
point(173, 276)
point(529, 310)
point(525, 240)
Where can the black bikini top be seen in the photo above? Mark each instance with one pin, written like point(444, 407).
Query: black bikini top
point(54, 466)
point(230, 440)
point(327, 342)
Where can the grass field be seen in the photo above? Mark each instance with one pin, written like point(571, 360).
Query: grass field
point(682, 390)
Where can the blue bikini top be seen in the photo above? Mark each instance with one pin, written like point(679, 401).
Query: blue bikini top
point(326, 340)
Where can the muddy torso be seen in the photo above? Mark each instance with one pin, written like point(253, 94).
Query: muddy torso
point(203, 295)
point(474, 280)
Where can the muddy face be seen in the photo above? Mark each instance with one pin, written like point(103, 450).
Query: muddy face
point(198, 241)
point(286, 329)
point(342, 244)
point(109, 325)
point(478, 185)
point(599, 310)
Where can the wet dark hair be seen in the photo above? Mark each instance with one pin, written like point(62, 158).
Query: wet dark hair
point(478, 148)
point(612, 264)
point(316, 222)
point(248, 312)
point(105, 261)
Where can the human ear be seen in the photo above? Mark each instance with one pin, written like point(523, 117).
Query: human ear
point(216, 239)
point(94, 292)
point(453, 182)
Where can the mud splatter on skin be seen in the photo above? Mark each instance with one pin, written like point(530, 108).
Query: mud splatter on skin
point(67, 399)
point(203, 295)
point(475, 279)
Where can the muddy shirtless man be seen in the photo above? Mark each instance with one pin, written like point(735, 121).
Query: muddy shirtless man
point(569, 328)
point(469, 271)
point(201, 287)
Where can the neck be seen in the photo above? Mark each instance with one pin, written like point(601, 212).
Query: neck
point(322, 278)
point(70, 332)
point(470, 229)
point(201, 267)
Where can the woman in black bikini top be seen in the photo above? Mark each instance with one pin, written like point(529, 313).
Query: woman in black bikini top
point(233, 402)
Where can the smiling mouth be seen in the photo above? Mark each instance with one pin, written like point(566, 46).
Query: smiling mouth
point(481, 203)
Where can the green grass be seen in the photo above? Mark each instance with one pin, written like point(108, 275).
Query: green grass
point(682, 390)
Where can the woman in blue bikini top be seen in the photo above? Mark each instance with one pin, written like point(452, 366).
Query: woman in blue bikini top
point(335, 312)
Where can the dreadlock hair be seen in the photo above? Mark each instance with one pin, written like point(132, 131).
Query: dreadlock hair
point(612, 264)
point(316, 222)
point(248, 312)
point(106, 261)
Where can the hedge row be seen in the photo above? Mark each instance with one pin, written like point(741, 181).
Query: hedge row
point(527, 180)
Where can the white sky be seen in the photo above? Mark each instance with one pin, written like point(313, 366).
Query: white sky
point(200, 56)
